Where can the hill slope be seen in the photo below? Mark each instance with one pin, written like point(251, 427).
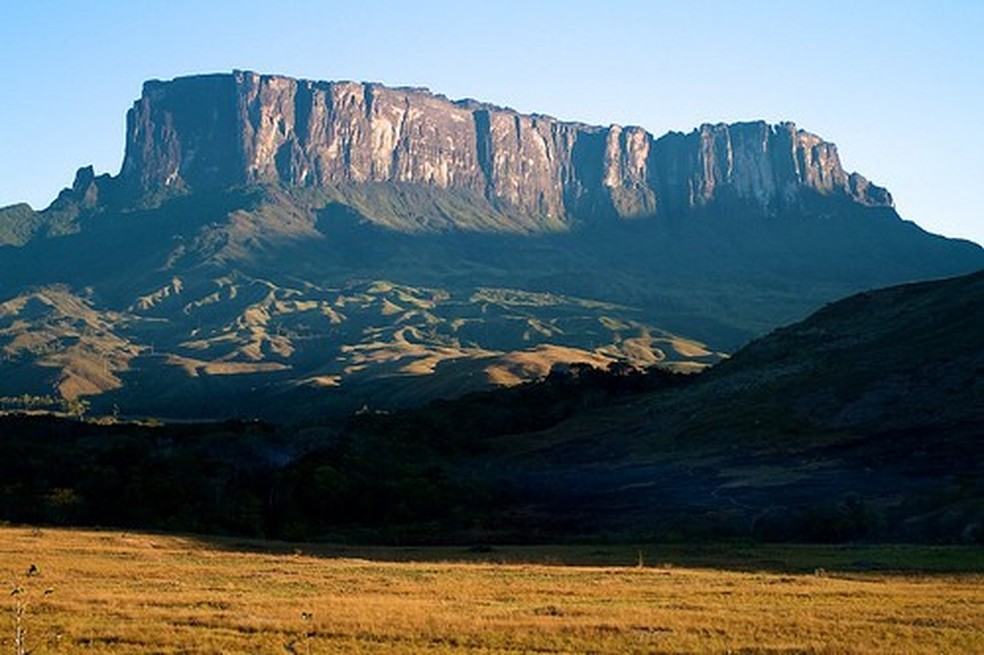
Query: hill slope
point(275, 247)
point(863, 420)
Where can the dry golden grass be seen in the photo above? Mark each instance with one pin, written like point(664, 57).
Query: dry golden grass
point(196, 367)
point(517, 367)
point(688, 347)
point(111, 592)
point(62, 331)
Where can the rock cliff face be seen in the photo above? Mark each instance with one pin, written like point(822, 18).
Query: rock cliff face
point(243, 128)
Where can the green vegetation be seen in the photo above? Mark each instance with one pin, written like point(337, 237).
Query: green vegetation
point(76, 407)
point(384, 476)
point(17, 224)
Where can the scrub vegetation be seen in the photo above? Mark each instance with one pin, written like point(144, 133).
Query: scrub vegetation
point(112, 592)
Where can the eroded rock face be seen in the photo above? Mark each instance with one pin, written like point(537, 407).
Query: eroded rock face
point(243, 128)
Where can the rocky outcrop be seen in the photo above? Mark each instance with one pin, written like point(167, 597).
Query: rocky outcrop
point(220, 130)
point(765, 165)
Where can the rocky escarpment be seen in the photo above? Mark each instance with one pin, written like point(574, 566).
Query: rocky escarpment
point(220, 130)
point(767, 166)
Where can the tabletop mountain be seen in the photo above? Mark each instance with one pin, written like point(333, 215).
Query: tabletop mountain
point(347, 244)
point(245, 129)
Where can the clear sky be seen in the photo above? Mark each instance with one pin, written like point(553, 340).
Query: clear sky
point(898, 85)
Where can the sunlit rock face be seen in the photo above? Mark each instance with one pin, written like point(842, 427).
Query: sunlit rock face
point(215, 131)
point(766, 165)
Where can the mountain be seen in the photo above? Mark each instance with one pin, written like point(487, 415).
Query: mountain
point(525, 172)
point(245, 129)
point(277, 247)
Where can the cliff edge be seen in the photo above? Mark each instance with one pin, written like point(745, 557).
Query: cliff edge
point(216, 131)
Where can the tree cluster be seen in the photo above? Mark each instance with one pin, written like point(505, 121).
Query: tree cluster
point(376, 474)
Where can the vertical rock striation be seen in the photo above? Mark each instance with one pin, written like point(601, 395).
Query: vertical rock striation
point(768, 166)
point(221, 130)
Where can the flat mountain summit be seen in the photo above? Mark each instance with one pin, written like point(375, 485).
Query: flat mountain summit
point(345, 244)
point(245, 129)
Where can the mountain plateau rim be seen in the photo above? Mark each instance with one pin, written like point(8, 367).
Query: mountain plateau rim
point(242, 128)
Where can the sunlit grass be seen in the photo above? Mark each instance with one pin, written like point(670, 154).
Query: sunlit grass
point(111, 592)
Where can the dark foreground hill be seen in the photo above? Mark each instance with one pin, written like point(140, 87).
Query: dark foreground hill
point(862, 422)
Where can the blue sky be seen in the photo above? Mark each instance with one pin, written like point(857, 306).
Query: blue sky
point(897, 85)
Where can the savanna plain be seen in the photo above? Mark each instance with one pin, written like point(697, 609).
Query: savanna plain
point(113, 592)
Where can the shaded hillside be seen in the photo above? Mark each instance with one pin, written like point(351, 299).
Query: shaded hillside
point(909, 357)
point(863, 422)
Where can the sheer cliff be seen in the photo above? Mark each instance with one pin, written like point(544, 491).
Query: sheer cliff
point(215, 131)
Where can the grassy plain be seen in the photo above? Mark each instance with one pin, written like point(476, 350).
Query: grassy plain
point(113, 592)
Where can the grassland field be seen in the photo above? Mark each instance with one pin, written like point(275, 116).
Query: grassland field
point(92, 591)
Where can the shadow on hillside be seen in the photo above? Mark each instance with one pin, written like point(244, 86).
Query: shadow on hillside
point(769, 558)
